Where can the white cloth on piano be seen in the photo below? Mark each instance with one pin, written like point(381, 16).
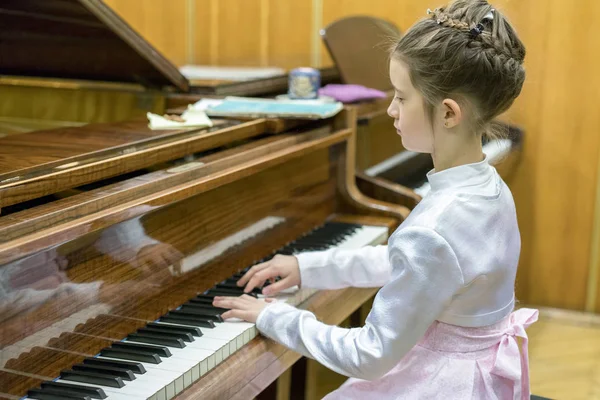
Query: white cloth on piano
point(454, 260)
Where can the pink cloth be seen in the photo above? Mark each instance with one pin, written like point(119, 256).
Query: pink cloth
point(453, 362)
point(347, 93)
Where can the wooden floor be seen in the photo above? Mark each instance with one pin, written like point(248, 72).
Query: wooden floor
point(564, 351)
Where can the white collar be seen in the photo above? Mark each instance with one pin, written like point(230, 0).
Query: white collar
point(461, 176)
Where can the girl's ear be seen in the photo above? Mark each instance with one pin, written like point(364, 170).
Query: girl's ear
point(452, 113)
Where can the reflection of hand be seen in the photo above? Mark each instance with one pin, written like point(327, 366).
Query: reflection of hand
point(157, 256)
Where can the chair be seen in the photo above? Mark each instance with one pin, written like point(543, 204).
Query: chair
point(359, 47)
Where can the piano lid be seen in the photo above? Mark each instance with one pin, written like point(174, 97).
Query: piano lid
point(79, 39)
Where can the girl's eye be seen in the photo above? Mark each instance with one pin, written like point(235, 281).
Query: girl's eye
point(399, 99)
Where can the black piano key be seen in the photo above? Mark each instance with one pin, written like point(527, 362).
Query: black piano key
point(123, 373)
point(227, 292)
point(142, 348)
point(92, 392)
point(49, 394)
point(160, 339)
point(131, 356)
point(198, 312)
point(205, 297)
point(234, 286)
point(136, 368)
point(183, 335)
point(188, 329)
point(182, 320)
point(201, 300)
point(217, 310)
point(229, 285)
point(94, 378)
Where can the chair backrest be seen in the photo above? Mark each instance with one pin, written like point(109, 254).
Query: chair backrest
point(359, 47)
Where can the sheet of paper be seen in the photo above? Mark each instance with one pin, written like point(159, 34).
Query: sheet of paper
point(205, 72)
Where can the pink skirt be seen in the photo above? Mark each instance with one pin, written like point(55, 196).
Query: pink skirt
point(453, 362)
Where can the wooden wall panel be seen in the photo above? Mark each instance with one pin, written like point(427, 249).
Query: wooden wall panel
point(162, 22)
point(238, 31)
point(556, 201)
point(289, 32)
point(204, 32)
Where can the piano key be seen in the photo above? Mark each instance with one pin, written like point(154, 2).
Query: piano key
point(142, 349)
point(192, 330)
point(226, 292)
point(131, 356)
point(183, 335)
point(92, 377)
point(92, 392)
point(137, 368)
point(123, 373)
point(198, 312)
point(203, 307)
point(155, 380)
point(190, 362)
point(233, 286)
point(157, 338)
point(185, 320)
point(50, 394)
point(201, 300)
point(171, 376)
point(112, 393)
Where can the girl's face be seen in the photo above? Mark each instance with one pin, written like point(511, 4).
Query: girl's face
point(408, 111)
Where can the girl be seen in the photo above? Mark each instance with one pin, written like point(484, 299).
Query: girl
point(442, 326)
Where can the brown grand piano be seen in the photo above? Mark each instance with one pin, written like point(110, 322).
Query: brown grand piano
point(111, 247)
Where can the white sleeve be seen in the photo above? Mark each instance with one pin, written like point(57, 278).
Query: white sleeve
point(368, 266)
point(425, 277)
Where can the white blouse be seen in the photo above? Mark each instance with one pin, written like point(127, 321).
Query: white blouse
point(454, 259)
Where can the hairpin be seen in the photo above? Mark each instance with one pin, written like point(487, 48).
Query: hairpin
point(477, 30)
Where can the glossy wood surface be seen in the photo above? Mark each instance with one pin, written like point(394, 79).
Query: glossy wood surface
point(79, 39)
point(45, 162)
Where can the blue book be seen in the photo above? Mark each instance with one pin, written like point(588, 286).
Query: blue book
point(267, 108)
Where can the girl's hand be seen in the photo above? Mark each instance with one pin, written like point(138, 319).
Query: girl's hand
point(285, 267)
point(244, 307)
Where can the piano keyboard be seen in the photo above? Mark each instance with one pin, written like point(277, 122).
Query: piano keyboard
point(495, 149)
point(166, 356)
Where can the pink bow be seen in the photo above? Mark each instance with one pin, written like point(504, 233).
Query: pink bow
point(508, 351)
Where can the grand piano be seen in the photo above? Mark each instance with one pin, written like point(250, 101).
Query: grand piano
point(109, 255)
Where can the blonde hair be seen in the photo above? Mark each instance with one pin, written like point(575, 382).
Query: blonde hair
point(469, 52)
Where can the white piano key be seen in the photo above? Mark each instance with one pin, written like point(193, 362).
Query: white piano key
point(164, 374)
point(365, 234)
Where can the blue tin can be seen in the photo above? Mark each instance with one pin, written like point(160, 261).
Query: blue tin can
point(304, 83)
